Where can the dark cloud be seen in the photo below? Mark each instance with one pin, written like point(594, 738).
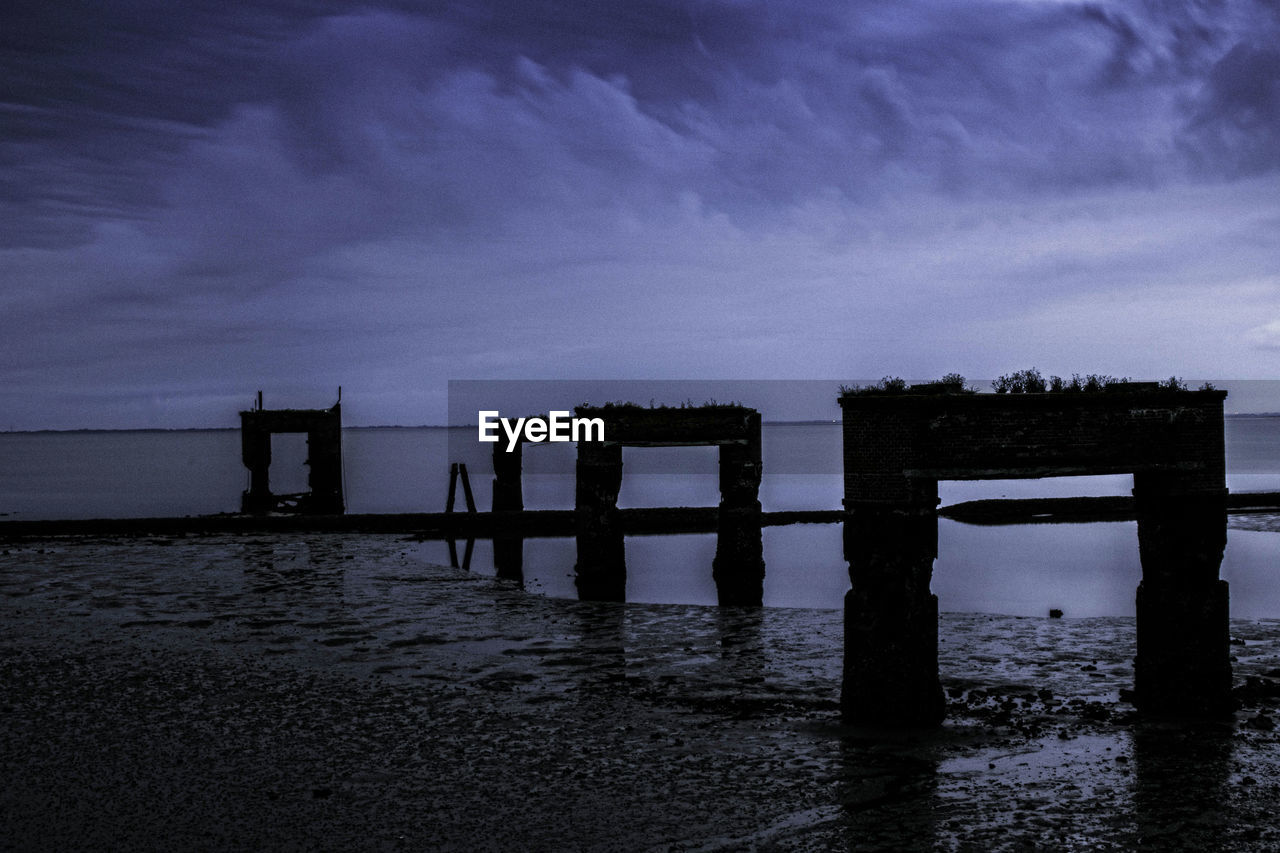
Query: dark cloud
point(396, 177)
point(768, 102)
point(1237, 123)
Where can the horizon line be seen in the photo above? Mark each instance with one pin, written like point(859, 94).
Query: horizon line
point(797, 422)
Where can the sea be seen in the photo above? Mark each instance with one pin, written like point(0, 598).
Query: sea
point(1086, 570)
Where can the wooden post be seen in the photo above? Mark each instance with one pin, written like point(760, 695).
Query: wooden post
point(453, 486)
point(466, 487)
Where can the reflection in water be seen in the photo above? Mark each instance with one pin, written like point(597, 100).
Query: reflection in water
point(1180, 794)
point(739, 634)
point(743, 663)
point(589, 725)
point(887, 794)
point(466, 556)
point(1086, 570)
point(1249, 566)
point(600, 640)
point(301, 572)
point(508, 557)
point(671, 569)
point(601, 570)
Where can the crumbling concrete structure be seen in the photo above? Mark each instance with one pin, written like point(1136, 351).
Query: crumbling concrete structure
point(508, 496)
point(898, 446)
point(324, 459)
point(739, 562)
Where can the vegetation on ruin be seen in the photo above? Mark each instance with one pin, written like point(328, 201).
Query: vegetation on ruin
point(1029, 381)
point(952, 383)
point(622, 406)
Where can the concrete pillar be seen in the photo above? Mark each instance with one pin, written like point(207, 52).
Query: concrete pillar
point(891, 617)
point(508, 488)
point(508, 496)
point(324, 456)
point(738, 567)
point(601, 571)
point(1180, 770)
point(255, 451)
point(740, 470)
point(1183, 664)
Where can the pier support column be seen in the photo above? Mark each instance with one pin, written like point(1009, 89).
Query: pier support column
point(740, 470)
point(508, 496)
point(891, 617)
point(255, 451)
point(508, 488)
point(738, 567)
point(1183, 664)
point(324, 456)
point(601, 571)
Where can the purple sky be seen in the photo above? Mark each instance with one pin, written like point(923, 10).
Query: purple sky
point(201, 199)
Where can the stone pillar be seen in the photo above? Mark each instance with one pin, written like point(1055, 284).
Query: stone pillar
point(738, 567)
point(324, 456)
point(891, 617)
point(1183, 664)
point(601, 569)
point(508, 488)
point(508, 496)
point(740, 470)
point(255, 451)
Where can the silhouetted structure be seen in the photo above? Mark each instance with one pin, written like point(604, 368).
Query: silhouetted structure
point(739, 563)
point(324, 458)
point(896, 449)
point(508, 496)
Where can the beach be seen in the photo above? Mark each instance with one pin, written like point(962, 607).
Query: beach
point(326, 692)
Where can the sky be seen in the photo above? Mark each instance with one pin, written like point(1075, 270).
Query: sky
point(203, 199)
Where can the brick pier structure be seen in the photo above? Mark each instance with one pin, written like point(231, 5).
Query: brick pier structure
point(898, 446)
point(739, 562)
point(324, 458)
point(508, 496)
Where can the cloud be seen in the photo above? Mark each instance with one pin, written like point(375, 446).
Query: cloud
point(1009, 97)
point(1266, 336)
point(1237, 120)
point(227, 193)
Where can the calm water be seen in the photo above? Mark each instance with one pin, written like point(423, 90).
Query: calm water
point(1087, 569)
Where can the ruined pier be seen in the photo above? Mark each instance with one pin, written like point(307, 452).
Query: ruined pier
point(601, 572)
point(323, 428)
point(898, 446)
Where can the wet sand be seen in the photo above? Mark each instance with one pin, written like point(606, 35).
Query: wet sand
point(322, 692)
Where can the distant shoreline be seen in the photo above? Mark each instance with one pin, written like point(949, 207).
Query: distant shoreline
point(560, 523)
point(94, 430)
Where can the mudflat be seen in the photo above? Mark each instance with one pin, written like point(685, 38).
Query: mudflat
point(292, 691)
